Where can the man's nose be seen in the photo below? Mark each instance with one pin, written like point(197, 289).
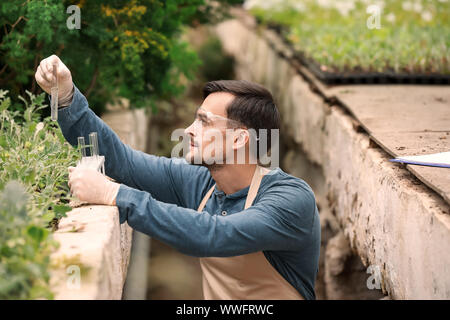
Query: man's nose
point(189, 131)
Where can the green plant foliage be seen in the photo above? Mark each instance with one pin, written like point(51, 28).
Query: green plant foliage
point(123, 48)
point(25, 247)
point(414, 36)
point(34, 157)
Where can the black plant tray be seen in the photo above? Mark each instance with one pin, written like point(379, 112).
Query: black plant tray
point(335, 78)
point(370, 77)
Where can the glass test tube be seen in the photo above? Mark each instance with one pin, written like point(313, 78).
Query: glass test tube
point(54, 93)
point(82, 146)
point(93, 141)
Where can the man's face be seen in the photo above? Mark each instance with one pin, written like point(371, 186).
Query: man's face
point(208, 140)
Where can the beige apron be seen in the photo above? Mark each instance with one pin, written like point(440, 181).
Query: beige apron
point(248, 276)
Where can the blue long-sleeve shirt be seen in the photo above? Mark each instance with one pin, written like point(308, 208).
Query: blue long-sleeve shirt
point(159, 197)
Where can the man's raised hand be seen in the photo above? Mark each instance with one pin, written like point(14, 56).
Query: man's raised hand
point(45, 79)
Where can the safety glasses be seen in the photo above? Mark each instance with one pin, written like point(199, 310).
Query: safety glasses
point(209, 119)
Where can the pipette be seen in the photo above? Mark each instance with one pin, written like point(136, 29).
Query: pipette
point(54, 93)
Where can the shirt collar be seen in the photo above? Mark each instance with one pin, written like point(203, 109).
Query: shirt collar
point(238, 194)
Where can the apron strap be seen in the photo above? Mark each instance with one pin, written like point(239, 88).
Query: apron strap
point(254, 186)
point(252, 191)
point(205, 199)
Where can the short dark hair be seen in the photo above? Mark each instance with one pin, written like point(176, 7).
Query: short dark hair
point(253, 105)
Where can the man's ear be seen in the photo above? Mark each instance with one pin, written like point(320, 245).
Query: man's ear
point(240, 139)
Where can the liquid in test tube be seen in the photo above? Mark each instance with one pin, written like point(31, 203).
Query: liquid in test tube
point(54, 93)
point(93, 141)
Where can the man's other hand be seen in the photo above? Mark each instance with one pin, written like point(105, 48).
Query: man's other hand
point(91, 186)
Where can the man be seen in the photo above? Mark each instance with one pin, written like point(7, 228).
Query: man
point(257, 233)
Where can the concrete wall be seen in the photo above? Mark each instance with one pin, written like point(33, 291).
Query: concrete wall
point(94, 252)
point(370, 208)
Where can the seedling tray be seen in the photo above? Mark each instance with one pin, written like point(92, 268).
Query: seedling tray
point(336, 78)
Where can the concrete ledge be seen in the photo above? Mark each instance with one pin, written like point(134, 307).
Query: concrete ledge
point(391, 220)
point(95, 247)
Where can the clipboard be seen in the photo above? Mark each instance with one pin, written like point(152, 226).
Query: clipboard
point(441, 160)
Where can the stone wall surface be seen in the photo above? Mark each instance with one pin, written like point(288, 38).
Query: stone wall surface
point(371, 207)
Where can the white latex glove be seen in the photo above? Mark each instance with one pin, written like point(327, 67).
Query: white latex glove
point(91, 186)
point(44, 78)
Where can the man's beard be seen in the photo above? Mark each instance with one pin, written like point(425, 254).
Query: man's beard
point(210, 166)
